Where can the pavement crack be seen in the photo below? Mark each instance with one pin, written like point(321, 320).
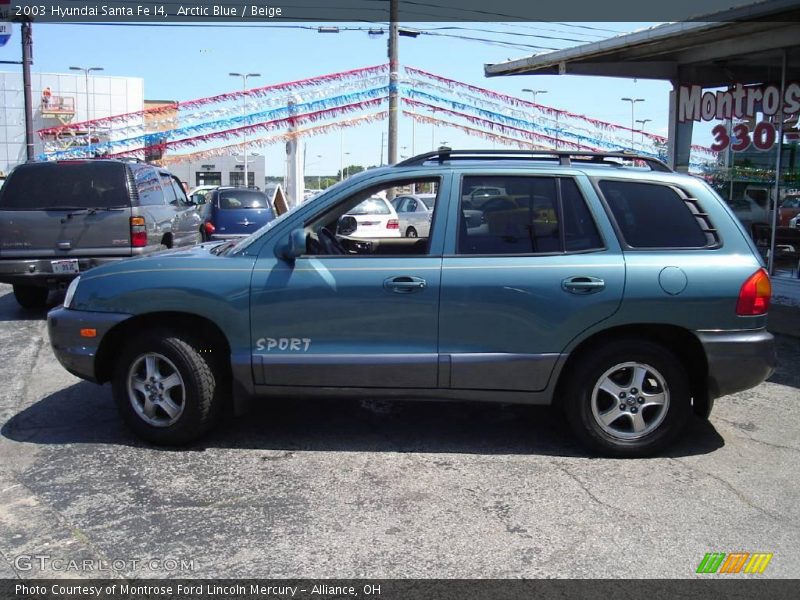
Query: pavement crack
point(23, 395)
point(734, 424)
point(731, 488)
point(584, 487)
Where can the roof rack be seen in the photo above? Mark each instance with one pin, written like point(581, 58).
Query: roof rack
point(565, 158)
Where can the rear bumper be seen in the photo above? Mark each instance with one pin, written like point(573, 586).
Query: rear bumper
point(38, 271)
point(737, 360)
point(75, 353)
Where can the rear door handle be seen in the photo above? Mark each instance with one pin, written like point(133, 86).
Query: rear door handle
point(404, 284)
point(583, 285)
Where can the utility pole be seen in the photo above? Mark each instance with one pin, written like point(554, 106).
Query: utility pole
point(27, 60)
point(394, 78)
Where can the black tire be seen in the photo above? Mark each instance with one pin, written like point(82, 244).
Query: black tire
point(592, 369)
point(32, 297)
point(203, 388)
point(411, 232)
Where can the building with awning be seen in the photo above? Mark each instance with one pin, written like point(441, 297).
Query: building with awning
point(739, 67)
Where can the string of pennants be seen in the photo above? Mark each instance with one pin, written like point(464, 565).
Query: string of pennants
point(287, 110)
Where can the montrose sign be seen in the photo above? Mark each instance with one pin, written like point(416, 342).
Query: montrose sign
point(744, 104)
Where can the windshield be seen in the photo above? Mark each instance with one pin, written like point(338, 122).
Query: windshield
point(791, 202)
point(65, 186)
point(238, 199)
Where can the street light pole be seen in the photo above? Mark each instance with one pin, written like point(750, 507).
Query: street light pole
point(643, 122)
point(535, 93)
point(86, 71)
point(244, 77)
point(633, 102)
point(341, 155)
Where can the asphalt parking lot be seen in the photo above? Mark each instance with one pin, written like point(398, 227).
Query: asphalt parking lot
point(345, 489)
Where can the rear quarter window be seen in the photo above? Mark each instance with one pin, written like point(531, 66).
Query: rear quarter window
point(654, 215)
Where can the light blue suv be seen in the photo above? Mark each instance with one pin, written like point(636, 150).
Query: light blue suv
point(625, 293)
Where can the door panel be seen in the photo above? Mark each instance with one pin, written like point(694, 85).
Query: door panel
point(512, 298)
point(334, 321)
point(515, 310)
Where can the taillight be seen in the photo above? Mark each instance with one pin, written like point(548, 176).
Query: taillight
point(393, 224)
point(209, 227)
point(138, 232)
point(754, 295)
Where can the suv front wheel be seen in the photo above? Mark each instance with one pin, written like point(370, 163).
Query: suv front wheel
point(166, 390)
point(628, 398)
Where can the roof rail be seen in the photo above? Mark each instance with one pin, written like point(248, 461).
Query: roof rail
point(565, 158)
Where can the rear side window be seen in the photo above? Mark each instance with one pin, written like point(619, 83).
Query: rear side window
point(580, 231)
point(169, 191)
point(40, 186)
point(652, 215)
point(524, 215)
point(147, 185)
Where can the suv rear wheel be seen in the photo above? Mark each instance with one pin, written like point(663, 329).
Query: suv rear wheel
point(629, 398)
point(31, 296)
point(165, 389)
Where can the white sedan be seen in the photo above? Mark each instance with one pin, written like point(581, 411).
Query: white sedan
point(376, 218)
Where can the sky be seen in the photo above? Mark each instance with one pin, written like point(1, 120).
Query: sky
point(182, 63)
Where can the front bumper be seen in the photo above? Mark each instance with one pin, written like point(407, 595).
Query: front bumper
point(39, 271)
point(77, 354)
point(737, 360)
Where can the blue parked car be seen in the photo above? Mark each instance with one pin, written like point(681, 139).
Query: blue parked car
point(626, 294)
point(232, 212)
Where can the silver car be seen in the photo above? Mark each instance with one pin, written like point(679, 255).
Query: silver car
point(415, 213)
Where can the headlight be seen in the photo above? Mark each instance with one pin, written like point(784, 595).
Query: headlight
point(71, 291)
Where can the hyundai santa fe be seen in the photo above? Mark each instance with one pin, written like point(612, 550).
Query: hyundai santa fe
point(626, 294)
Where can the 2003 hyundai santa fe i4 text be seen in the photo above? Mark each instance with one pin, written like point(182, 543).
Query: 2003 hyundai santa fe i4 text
point(625, 293)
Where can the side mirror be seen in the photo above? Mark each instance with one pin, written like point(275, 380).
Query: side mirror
point(347, 225)
point(294, 246)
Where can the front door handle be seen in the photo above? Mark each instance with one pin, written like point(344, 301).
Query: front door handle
point(404, 284)
point(583, 285)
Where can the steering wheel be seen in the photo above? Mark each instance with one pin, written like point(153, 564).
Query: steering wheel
point(330, 243)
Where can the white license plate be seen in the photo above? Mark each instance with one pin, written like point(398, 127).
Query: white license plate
point(65, 266)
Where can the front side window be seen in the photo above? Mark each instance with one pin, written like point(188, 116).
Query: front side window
point(652, 215)
point(368, 223)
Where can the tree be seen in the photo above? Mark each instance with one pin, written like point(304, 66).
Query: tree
point(350, 170)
